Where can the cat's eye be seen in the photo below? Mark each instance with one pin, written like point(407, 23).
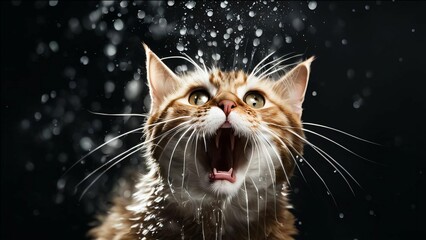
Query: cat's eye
point(198, 97)
point(254, 99)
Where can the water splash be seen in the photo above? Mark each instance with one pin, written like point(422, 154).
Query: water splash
point(218, 222)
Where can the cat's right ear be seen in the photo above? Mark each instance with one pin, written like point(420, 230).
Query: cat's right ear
point(161, 80)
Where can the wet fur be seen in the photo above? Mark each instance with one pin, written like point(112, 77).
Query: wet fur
point(175, 198)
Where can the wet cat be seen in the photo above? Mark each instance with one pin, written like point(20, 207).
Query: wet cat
point(220, 149)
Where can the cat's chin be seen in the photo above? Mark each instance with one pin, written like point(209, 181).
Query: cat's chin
point(225, 188)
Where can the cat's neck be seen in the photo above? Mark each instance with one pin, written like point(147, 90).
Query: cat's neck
point(249, 211)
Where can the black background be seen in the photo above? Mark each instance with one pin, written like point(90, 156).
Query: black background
point(368, 79)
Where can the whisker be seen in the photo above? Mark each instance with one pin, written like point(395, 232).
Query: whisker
point(193, 61)
point(172, 154)
point(205, 143)
point(276, 63)
point(265, 75)
point(280, 160)
point(109, 161)
point(184, 58)
point(103, 172)
point(184, 156)
point(254, 71)
point(319, 176)
point(195, 154)
point(100, 146)
point(271, 172)
point(285, 145)
point(338, 144)
point(119, 114)
point(166, 121)
point(330, 161)
point(332, 141)
point(247, 210)
point(340, 131)
point(176, 127)
point(257, 198)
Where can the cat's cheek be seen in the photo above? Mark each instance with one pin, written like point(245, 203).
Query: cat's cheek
point(213, 120)
point(239, 123)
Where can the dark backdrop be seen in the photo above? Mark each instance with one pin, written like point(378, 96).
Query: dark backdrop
point(61, 60)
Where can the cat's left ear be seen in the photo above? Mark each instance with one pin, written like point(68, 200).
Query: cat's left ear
point(161, 80)
point(294, 85)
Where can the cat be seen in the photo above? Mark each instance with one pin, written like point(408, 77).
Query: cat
point(220, 148)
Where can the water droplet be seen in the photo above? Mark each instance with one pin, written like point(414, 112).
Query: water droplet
point(252, 14)
point(190, 4)
point(314, 93)
point(259, 32)
point(180, 47)
point(256, 42)
point(341, 215)
point(61, 184)
point(312, 5)
point(288, 39)
point(37, 116)
point(84, 60)
point(53, 3)
point(133, 89)
point(209, 13)
point(53, 45)
point(344, 41)
point(298, 24)
point(44, 98)
point(86, 143)
point(110, 50)
point(170, 3)
point(118, 24)
point(216, 56)
point(141, 14)
point(29, 166)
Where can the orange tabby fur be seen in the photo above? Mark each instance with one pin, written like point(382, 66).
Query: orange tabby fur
point(173, 200)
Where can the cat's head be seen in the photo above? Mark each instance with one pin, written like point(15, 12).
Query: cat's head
point(214, 133)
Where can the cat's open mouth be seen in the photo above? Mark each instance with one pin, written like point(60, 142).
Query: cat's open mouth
point(224, 152)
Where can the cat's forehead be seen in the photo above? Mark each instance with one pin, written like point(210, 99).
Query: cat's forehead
point(227, 81)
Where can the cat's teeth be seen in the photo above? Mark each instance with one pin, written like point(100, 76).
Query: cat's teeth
point(217, 139)
point(214, 171)
point(232, 142)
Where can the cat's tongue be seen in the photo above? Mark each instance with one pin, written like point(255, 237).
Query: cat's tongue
point(222, 156)
point(222, 175)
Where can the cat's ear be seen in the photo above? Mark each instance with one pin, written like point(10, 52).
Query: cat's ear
point(161, 80)
point(294, 83)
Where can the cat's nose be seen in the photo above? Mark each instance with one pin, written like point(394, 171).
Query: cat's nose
point(227, 106)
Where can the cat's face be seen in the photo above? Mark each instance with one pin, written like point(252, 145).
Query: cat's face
point(215, 133)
